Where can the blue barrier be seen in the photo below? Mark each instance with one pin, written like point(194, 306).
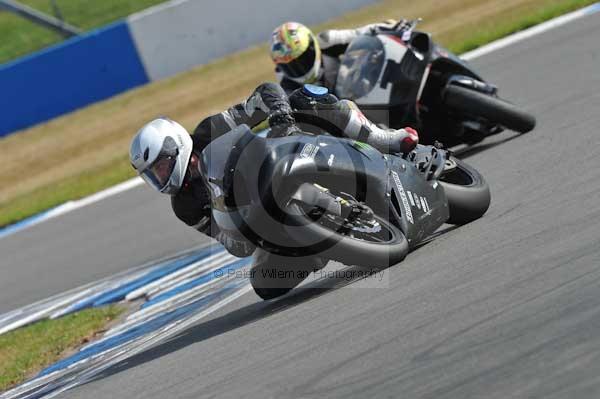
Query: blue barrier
point(62, 78)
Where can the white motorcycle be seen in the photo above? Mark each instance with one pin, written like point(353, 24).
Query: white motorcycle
point(402, 78)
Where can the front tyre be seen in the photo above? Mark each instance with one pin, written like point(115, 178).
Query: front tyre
point(491, 108)
point(467, 192)
point(368, 241)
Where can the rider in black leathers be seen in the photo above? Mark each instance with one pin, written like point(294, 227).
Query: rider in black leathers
point(270, 102)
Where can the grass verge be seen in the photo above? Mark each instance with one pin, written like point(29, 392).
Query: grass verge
point(83, 152)
point(21, 37)
point(26, 351)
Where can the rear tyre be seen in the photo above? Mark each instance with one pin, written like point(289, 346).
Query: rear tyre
point(467, 192)
point(491, 108)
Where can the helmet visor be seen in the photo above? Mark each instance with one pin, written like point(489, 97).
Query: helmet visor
point(301, 65)
point(160, 171)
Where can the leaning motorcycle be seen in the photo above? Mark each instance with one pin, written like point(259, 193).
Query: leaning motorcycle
point(403, 78)
point(326, 198)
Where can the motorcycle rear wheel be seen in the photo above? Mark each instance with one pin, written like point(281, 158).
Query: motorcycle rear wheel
point(467, 192)
point(491, 108)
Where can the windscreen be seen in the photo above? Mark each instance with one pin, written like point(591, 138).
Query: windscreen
point(360, 68)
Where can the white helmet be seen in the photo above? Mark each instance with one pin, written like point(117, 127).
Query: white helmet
point(160, 153)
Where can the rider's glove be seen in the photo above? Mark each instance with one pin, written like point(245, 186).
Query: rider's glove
point(402, 25)
point(282, 124)
point(330, 39)
point(409, 138)
point(389, 25)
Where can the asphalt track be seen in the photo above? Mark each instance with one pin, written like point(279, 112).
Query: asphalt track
point(507, 306)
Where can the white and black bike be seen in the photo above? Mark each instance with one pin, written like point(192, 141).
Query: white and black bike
point(403, 78)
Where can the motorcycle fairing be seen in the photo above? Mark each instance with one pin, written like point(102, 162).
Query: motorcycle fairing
point(395, 51)
point(394, 96)
point(421, 204)
point(252, 180)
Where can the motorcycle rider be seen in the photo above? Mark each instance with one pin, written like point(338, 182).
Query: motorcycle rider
point(301, 57)
point(167, 157)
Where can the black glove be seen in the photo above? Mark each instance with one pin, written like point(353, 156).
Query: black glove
point(282, 124)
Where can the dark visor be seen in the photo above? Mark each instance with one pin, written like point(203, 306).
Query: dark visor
point(159, 172)
point(301, 65)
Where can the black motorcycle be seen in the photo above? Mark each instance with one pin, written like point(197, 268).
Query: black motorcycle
point(402, 78)
point(307, 199)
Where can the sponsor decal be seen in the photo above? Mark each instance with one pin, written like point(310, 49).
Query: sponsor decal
point(423, 204)
point(405, 204)
point(309, 151)
point(360, 145)
point(330, 160)
point(410, 197)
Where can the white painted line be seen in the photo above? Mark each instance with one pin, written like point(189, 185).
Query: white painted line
point(102, 361)
point(528, 33)
point(196, 267)
point(44, 312)
point(184, 298)
point(182, 280)
point(481, 51)
point(109, 192)
point(71, 206)
point(62, 303)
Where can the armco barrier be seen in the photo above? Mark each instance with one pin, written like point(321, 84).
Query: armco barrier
point(62, 78)
point(153, 44)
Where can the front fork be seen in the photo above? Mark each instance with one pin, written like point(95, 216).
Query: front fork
point(473, 84)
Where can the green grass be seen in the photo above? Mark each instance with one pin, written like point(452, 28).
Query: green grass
point(492, 30)
point(28, 350)
point(466, 25)
point(21, 37)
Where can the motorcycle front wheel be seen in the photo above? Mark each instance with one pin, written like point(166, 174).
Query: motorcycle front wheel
point(491, 108)
point(369, 241)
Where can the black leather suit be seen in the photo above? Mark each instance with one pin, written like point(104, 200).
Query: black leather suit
point(270, 102)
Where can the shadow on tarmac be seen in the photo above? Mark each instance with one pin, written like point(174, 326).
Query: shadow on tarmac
point(247, 315)
point(251, 313)
point(467, 152)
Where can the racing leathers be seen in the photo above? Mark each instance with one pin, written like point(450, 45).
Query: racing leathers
point(333, 44)
point(270, 102)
